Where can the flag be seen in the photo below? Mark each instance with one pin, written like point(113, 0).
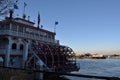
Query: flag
point(16, 1)
point(25, 4)
point(15, 6)
point(56, 22)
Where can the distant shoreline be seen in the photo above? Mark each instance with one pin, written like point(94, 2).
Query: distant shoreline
point(91, 56)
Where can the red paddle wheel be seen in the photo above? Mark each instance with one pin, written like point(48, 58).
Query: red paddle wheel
point(56, 57)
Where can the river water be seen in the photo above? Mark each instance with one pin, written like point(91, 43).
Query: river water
point(98, 67)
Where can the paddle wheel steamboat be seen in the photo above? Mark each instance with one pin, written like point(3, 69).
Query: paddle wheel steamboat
point(22, 45)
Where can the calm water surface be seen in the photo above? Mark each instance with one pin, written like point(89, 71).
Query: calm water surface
point(100, 67)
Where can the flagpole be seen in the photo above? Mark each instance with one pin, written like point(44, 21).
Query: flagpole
point(24, 10)
point(38, 19)
point(55, 28)
point(56, 23)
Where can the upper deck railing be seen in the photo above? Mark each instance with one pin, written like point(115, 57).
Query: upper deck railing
point(28, 36)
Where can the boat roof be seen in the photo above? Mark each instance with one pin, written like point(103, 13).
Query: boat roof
point(24, 23)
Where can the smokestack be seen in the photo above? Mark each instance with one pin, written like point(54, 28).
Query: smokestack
point(28, 18)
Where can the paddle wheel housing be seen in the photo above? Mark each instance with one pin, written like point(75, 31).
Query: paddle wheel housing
point(56, 57)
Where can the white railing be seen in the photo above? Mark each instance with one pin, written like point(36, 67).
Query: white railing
point(27, 35)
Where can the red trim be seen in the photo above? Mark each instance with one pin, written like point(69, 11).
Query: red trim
point(16, 55)
point(2, 55)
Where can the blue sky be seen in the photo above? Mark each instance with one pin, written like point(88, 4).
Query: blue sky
point(84, 25)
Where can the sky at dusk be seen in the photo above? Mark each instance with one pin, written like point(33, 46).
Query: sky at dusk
point(84, 25)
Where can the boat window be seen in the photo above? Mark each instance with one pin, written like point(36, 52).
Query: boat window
point(41, 35)
point(49, 36)
point(2, 27)
point(14, 46)
point(20, 29)
point(21, 46)
point(7, 27)
point(14, 27)
point(52, 36)
point(11, 61)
